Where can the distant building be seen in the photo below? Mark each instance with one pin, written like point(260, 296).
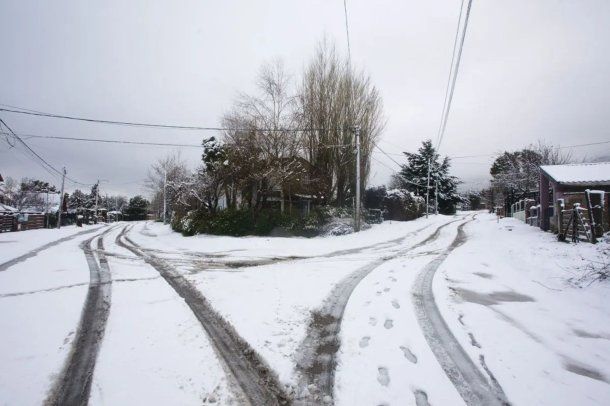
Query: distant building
point(563, 186)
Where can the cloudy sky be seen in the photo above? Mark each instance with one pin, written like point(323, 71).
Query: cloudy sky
point(530, 70)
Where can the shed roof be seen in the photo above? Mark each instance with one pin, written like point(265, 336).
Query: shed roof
point(586, 174)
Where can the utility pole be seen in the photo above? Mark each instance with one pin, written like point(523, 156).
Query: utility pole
point(165, 198)
point(436, 197)
point(46, 212)
point(97, 193)
point(428, 189)
point(61, 198)
point(357, 205)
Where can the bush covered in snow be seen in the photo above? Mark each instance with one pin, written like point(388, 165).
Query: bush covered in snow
point(400, 204)
point(324, 220)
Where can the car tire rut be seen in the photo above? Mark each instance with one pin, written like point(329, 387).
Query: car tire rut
point(258, 383)
point(6, 265)
point(74, 384)
point(467, 378)
point(317, 360)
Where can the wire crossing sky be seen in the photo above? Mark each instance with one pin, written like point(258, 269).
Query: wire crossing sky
point(529, 71)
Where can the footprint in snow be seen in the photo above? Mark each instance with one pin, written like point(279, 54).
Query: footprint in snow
point(383, 377)
point(395, 304)
point(372, 321)
point(386, 289)
point(421, 398)
point(368, 302)
point(393, 279)
point(364, 342)
point(389, 323)
point(378, 293)
point(408, 354)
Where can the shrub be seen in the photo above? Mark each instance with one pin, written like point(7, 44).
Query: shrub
point(403, 205)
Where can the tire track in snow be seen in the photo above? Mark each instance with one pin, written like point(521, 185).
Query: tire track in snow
point(6, 265)
point(469, 381)
point(318, 350)
point(74, 384)
point(257, 381)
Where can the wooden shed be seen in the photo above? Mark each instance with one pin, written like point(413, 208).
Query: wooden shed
point(584, 187)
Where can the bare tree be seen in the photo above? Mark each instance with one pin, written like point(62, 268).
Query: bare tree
point(264, 125)
point(333, 100)
point(551, 154)
point(176, 171)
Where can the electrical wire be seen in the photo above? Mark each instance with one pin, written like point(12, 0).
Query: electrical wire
point(152, 125)
point(349, 51)
point(48, 167)
point(160, 144)
point(455, 39)
point(455, 72)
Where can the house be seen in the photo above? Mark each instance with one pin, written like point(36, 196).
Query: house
point(565, 187)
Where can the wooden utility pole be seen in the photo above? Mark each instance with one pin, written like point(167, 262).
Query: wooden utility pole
point(61, 198)
point(428, 190)
point(357, 205)
point(436, 197)
point(165, 198)
point(97, 193)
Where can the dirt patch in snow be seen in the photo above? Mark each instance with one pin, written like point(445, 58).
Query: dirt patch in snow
point(493, 298)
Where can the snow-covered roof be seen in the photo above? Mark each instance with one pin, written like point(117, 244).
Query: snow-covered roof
point(5, 207)
point(579, 174)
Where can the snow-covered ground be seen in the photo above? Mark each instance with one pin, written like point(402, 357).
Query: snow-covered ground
point(545, 338)
point(13, 245)
point(270, 304)
point(511, 295)
point(41, 300)
point(152, 335)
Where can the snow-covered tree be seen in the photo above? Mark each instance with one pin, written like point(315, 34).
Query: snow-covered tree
point(78, 200)
point(516, 173)
point(413, 176)
point(30, 194)
point(137, 208)
point(177, 172)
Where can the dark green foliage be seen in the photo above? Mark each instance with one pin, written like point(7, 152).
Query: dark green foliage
point(137, 208)
point(414, 177)
point(403, 205)
point(373, 197)
point(241, 222)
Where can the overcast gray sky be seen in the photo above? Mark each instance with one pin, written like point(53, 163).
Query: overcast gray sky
point(530, 70)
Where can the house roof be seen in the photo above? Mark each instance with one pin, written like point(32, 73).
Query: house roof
point(6, 208)
point(585, 174)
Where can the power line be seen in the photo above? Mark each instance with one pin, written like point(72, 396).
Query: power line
point(455, 72)
point(397, 173)
point(46, 165)
point(386, 154)
point(160, 144)
point(457, 31)
point(497, 154)
point(349, 51)
point(153, 125)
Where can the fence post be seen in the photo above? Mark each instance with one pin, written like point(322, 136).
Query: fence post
point(591, 217)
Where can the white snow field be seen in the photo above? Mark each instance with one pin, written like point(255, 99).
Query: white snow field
point(154, 350)
point(13, 245)
point(41, 299)
point(512, 297)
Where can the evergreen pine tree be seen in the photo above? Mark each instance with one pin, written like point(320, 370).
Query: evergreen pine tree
point(414, 177)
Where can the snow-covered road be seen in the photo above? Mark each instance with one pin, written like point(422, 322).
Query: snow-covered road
point(447, 310)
